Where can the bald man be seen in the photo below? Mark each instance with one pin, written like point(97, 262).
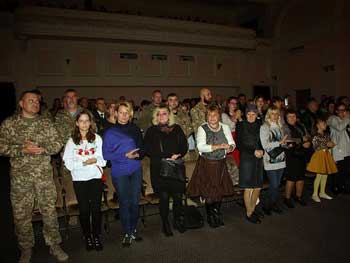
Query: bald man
point(198, 111)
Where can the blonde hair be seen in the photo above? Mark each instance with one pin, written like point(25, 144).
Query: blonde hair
point(128, 106)
point(156, 112)
point(268, 116)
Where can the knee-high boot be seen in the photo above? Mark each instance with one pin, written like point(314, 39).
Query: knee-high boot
point(218, 216)
point(210, 215)
point(178, 213)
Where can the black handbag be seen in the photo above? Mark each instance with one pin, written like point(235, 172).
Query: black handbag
point(172, 169)
point(275, 152)
point(192, 217)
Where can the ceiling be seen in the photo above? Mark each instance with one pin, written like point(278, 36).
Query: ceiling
point(258, 15)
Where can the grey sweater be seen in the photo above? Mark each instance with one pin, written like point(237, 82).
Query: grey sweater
point(268, 142)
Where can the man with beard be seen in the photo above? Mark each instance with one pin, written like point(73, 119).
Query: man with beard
point(181, 116)
point(198, 112)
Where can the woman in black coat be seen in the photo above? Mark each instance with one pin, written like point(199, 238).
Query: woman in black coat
point(251, 165)
point(166, 140)
point(299, 147)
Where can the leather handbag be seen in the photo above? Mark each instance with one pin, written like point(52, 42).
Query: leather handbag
point(275, 152)
point(173, 169)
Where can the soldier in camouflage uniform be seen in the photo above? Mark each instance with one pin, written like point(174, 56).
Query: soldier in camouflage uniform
point(65, 118)
point(145, 119)
point(183, 119)
point(29, 140)
point(198, 112)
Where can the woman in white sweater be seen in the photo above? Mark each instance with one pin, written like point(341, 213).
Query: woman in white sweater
point(83, 158)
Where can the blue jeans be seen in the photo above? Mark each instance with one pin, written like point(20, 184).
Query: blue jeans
point(129, 190)
point(275, 177)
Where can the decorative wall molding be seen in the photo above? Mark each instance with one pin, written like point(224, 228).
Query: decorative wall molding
point(62, 23)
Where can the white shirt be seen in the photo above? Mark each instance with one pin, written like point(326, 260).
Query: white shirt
point(201, 138)
point(74, 156)
point(227, 120)
point(102, 114)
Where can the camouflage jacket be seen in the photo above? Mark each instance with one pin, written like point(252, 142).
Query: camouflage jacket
point(65, 123)
point(183, 119)
point(16, 130)
point(145, 118)
point(198, 113)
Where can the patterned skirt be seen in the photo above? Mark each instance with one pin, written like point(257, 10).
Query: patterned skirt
point(322, 163)
point(210, 180)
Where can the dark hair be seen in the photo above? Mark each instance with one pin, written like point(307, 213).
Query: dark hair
point(339, 100)
point(27, 92)
point(76, 135)
point(275, 99)
point(171, 95)
point(290, 111)
point(310, 100)
point(145, 103)
point(227, 109)
point(70, 90)
point(338, 105)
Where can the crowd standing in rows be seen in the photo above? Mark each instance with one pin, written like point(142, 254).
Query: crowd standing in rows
point(235, 141)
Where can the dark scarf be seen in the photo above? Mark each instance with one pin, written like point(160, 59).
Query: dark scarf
point(166, 128)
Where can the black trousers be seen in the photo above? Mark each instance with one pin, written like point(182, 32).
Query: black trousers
point(89, 196)
point(164, 204)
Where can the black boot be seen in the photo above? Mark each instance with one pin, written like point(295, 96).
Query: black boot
point(219, 217)
point(167, 228)
point(179, 223)
point(210, 216)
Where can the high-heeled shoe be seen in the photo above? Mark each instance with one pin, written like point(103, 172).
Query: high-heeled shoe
point(97, 243)
point(89, 245)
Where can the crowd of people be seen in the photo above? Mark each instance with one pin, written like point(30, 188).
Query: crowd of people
point(255, 137)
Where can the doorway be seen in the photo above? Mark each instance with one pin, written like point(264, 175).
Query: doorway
point(301, 97)
point(264, 91)
point(8, 103)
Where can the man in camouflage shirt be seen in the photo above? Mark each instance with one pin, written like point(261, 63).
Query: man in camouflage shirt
point(181, 116)
point(29, 140)
point(65, 118)
point(183, 119)
point(146, 116)
point(198, 112)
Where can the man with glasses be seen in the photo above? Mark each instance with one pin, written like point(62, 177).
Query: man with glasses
point(30, 139)
point(339, 125)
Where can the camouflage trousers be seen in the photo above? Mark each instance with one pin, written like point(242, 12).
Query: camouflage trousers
point(27, 185)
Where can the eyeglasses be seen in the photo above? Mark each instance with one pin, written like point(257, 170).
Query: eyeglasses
point(31, 101)
point(341, 110)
